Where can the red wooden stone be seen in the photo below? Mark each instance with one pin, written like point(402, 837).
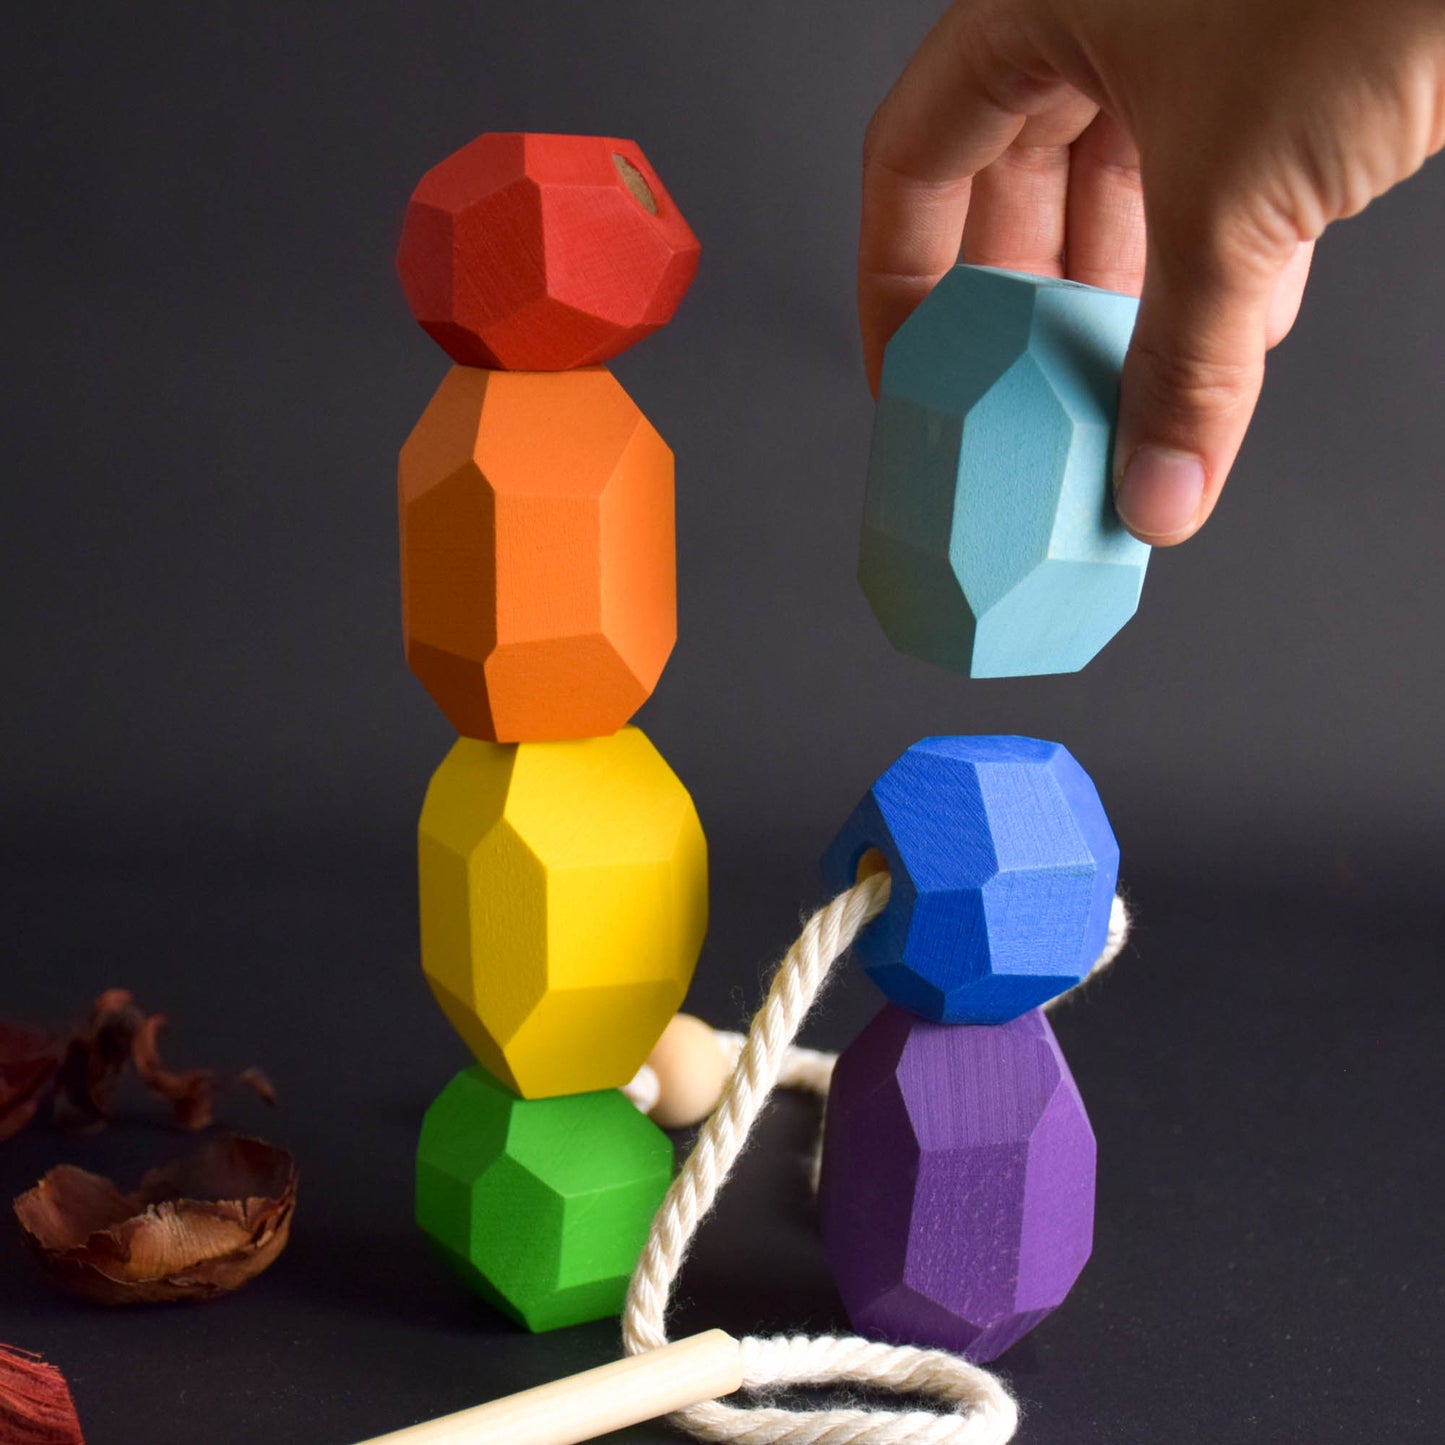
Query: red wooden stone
point(525, 252)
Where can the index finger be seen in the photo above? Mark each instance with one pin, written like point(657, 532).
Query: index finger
point(956, 108)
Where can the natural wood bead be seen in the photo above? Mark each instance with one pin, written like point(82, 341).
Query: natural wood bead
point(691, 1070)
point(543, 252)
point(541, 1205)
point(990, 540)
point(563, 905)
point(538, 564)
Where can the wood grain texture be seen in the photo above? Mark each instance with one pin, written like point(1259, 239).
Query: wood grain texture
point(956, 1199)
point(538, 560)
point(990, 541)
point(543, 252)
point(542, 1205)
point(563, 891)
point(1004, 868)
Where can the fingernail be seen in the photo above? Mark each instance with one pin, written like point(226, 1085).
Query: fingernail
point(1161, 491)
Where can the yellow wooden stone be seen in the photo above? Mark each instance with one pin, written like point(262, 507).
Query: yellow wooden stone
point(563, 905)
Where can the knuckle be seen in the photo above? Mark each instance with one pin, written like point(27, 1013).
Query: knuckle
point(1036, 161)
point(1126, 176)
point(1187, 383)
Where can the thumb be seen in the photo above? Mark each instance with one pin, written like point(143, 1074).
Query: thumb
point(1192, 375)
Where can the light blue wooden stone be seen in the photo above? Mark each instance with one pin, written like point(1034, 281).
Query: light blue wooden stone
point(990, 540)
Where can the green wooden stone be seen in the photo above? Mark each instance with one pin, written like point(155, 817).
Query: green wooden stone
point(542, 1205)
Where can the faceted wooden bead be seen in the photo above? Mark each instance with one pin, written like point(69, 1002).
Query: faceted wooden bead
point(990, 540)
point(538, 567)
point(541, 1205)
point(1003, 873)
point(563, 906)
point(543, 252)
point(956, 1199)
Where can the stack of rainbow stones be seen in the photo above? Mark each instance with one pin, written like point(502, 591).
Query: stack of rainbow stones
point(563, 871)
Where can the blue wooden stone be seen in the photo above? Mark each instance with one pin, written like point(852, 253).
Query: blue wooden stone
point(990, 540)
point(1003, 866)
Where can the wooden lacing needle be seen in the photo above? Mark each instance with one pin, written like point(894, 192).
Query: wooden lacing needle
point(596, 1402)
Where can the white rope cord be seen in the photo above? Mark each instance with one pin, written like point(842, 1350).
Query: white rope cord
point(810, 1071)
point(644, 1090)
point(981, 1410)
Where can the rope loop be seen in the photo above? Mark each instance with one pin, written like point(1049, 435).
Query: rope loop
point(978, 1408)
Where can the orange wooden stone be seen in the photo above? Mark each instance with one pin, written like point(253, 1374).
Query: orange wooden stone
point(539, 591)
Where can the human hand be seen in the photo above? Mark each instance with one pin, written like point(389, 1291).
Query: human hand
point(1039, 132)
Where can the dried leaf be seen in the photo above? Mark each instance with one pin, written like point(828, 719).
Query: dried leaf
point(29, 1058)
point(35, 1403)
point(85, 1069)
point(191, 1092)
point(195, 1229)
point(96, 1057)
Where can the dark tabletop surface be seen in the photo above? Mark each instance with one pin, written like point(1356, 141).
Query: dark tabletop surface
point(212, 755)
point(1260, 1069)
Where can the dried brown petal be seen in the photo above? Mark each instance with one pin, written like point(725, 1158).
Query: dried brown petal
point(191, 1092)
point(29, 1058)
point(96, 1057)
point(35, 1403)
point(118, 1033)
point(195, 1229)
point(81, 1073)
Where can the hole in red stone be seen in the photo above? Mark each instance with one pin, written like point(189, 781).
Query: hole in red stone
point(870, 863)
point(636, 182)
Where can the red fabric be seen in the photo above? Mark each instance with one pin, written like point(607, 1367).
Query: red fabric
point(35, 1403)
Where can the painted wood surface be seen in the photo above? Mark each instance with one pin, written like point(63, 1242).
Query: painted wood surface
point(543, 252)
point(564, 898)
point(541, 1205)
point(990, 540)
point(538, 563)
point(956, 1199)
point(1004, 868)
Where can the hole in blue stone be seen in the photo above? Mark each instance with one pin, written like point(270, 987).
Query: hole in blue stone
point(870, 861)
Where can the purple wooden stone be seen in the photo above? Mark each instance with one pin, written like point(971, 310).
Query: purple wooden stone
point(957, 1191)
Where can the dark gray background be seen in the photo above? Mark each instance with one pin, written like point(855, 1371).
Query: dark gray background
point(213, 754)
